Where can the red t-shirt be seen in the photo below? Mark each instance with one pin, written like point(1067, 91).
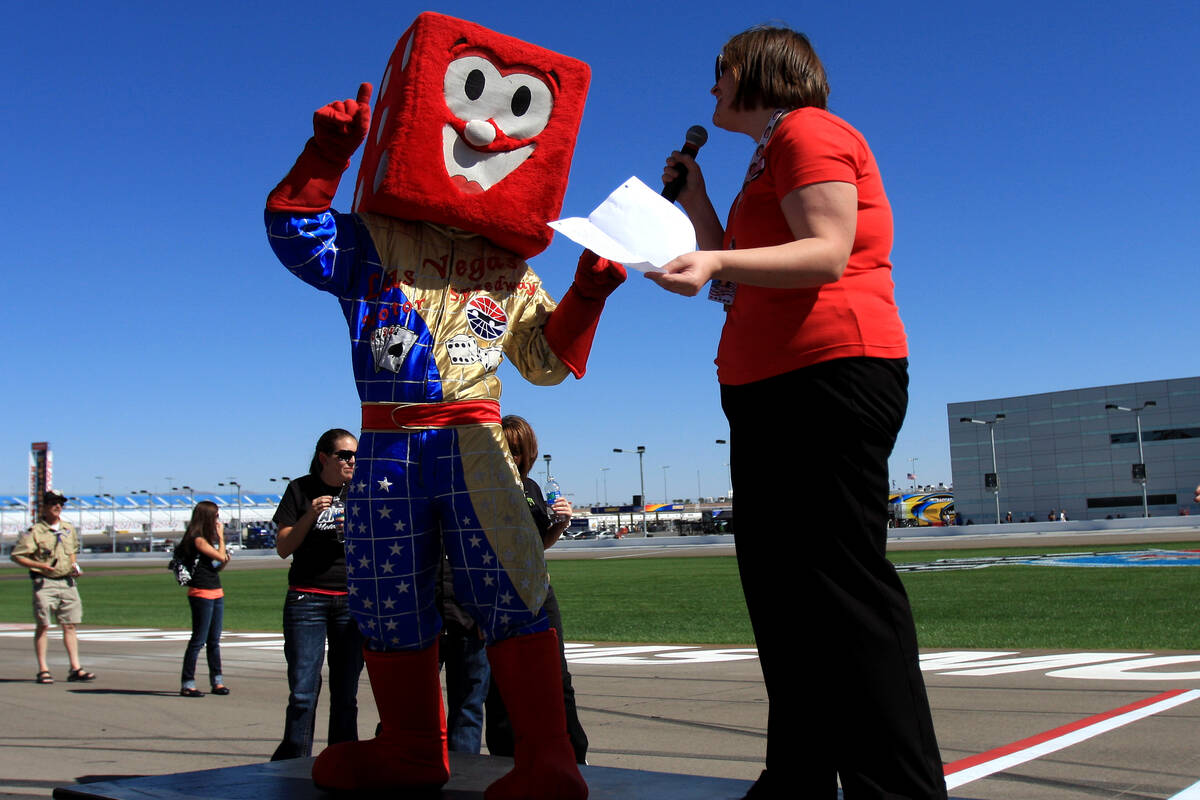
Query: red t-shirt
point(772, 331)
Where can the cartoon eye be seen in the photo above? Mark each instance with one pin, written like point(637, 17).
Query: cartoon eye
point(519, 103)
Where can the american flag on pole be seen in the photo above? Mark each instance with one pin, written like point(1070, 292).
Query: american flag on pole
point(912, 476)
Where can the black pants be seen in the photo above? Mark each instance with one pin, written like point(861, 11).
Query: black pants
point(831, 619)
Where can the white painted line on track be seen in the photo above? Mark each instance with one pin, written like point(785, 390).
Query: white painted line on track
point(973, 768)
point(1190, 793)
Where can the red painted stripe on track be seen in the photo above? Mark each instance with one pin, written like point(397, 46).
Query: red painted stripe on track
point(1023, 744)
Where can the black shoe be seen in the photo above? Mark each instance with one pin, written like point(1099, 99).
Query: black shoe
point(191, 693)
point(222, 689)
point(762, 788)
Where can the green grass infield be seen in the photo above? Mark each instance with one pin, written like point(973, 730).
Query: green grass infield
point(699, 601)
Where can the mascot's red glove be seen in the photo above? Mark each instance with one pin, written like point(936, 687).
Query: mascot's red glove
point(572, 326)
point(338, 129)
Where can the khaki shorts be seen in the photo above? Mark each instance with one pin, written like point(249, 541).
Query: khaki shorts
point(59, 597)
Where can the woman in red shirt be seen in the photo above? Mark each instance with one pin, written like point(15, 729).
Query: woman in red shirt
point(813, 371)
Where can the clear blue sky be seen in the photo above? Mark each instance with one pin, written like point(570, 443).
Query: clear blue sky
point(1041, 159)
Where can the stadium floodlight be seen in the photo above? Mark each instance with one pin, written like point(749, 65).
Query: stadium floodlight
point(1139, 469)
point(234, 483)
point(641, 452)
point(991, 481)
point(728, 468)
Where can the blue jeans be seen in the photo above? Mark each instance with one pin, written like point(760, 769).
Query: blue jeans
point(309, 621)
point(467, 677)
point(207, 616)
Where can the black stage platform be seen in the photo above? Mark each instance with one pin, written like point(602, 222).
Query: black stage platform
point(290, 780)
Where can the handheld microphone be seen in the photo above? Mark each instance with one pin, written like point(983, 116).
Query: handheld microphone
point(695, 138)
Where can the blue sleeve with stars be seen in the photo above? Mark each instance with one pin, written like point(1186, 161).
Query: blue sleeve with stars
point(320, 250)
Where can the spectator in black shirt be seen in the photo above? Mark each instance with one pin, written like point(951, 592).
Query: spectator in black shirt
point(311, 518)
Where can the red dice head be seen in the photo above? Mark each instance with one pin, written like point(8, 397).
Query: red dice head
point(475, 130)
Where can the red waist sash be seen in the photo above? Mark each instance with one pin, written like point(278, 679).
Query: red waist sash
point(400, 416)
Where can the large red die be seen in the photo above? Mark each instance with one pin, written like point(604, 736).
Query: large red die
point(473, 129)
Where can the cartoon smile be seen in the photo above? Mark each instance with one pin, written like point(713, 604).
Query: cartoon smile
point(475, 171)
point(496, 114)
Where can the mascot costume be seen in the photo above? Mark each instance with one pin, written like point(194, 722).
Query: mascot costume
point(466, 161)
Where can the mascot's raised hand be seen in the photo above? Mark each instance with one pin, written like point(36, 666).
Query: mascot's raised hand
point(338, 129)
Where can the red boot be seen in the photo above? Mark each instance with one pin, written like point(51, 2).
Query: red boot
point(526, 668)
point(410, 750)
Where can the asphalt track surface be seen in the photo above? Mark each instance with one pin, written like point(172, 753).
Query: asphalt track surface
point(1033, 725)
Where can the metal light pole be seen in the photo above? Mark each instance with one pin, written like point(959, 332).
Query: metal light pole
point(180, 488)
point(170, 506)
point(604, 476)
point(112, 508)
point(150, 506)
point(641, 452)
point(233, 482)
point(666, 494)
point(1139, 469)
point(728, 466)
point(546, 458)
point(994, 478)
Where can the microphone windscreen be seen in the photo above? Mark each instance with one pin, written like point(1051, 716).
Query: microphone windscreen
point(696, 135)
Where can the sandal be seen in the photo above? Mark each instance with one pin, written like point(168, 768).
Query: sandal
point(191, 693)
point(79, 675)
point(44, 677)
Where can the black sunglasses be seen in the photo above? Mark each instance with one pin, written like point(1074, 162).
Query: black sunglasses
point(722, 66)
point(345, 455)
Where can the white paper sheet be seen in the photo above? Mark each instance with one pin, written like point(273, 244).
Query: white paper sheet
point(634, 225)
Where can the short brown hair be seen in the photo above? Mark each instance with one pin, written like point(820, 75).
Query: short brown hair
point(775, 68)
point(522, 442)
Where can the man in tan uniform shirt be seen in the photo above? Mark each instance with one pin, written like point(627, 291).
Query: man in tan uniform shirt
point(48, 551)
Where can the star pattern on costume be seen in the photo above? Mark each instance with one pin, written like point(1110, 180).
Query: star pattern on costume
point(506, 598)
point(505, 619)
point(402, 587)
point(488, 580)
point(350, 547)
point(361, 486)
point(362, 527)
point(486, 558)
point(388, 603)
point(368, 603)
point(466, 522)
point(388, 566)
point(364, 562)
point(385, 484)
point(391, 624)
point(474, 540)
point(395, 548)
point(385, 513)
point(354, 510)
point(353, 590)
point(399, 526)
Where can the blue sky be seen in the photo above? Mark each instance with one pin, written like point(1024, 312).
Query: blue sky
point(1040, 158)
